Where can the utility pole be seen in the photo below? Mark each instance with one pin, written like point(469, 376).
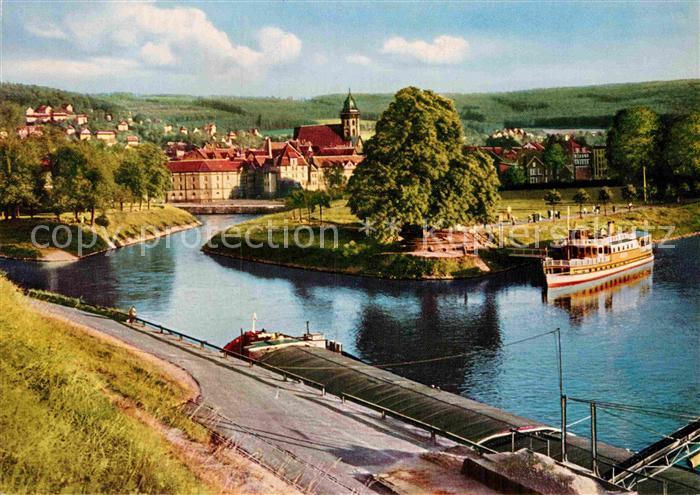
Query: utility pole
point(563, 428)
point(644, 178)
point(594, 440)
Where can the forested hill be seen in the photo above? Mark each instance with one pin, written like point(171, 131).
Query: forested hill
point(586, 106)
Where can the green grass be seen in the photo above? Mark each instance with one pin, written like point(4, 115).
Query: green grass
point(524, 203)
point(661, 221)
point(354, 252)
point(16, 235)
point(61, 431)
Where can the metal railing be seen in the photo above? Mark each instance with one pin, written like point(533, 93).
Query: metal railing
point(548, 262)
point(434, 430)
point(203, 344)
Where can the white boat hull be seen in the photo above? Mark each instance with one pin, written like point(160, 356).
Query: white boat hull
point(555, 280)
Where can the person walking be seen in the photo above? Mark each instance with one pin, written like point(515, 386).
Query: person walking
point(132, 315)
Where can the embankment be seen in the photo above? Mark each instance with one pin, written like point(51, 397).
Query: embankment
point(83, 412)
point(43, 238)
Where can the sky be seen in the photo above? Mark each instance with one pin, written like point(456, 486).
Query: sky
point(301, 49)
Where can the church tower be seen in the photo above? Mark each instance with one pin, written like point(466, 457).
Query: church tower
point(350, 119)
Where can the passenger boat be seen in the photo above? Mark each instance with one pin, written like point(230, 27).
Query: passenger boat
point(585, 256)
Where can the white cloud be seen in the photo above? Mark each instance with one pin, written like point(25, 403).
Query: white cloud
point(358, 59)
point(157, 54)
point(45, 30)
point(180, 38)
point(70, 68)
point(442, 50)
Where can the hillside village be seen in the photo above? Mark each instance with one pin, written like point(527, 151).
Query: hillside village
point(207, 164)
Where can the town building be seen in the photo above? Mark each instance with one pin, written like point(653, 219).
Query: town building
point(579, 160)
point(326, 139)
point(167, 129)
point(184, 131)
point(599, 162)
point(205, 180)
point(132, 140)
point(108, 137)
point(210, 129)
point(46, 114)
point(123, 126)
point(318, 153)
point(85, 135)
point(536, 172)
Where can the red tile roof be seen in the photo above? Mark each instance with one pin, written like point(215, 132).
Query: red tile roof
point(188, 166)
point(322, 136)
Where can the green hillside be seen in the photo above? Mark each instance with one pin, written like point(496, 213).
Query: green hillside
point(586, 106)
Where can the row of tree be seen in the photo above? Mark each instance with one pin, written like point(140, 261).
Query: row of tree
point(301, 200)
point(46, 173)
point(664, 148)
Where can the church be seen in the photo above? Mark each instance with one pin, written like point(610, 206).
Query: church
point(334, 139)
point(307, 161)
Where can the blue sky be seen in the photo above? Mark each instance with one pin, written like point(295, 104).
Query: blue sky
point(303, 49)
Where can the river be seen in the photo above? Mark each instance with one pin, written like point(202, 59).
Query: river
point(636, 342)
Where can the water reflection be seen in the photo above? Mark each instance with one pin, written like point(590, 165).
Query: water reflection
point(625, 290)
point(611, 335)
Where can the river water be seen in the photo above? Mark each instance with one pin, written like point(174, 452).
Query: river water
point(636, 341)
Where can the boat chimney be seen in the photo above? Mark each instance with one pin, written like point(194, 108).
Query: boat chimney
point(611, 227)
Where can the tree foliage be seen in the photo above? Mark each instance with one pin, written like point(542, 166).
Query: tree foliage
point(552, 197)
point(514, 176)
point(554, 158)
point(581, 198)
point(605, 195)
point(681, 150)
point(414, 163)
point(633, 143)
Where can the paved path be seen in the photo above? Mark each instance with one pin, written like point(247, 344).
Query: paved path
point(321, 443)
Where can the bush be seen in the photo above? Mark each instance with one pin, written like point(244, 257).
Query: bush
point(102, 221)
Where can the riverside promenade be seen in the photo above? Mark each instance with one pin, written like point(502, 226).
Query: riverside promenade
point(233, 206)
point(315, 441)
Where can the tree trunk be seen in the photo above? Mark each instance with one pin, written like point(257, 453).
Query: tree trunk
point(140, 204)
point(320, 212)
point(75, 214)
point(121, 205)
point(148, 202)
point(92, 216)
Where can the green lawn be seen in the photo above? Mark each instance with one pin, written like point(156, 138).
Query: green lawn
point(661, 221)
point(354, 251)
point(63, 430)
point(16, 235)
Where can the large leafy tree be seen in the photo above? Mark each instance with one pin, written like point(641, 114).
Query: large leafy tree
point(682, 148)
point(20, 175)
point(554, 158)
point(130, 179)
point(155, 168)
point(70, 182)
point(413, 164)
point(633, 143)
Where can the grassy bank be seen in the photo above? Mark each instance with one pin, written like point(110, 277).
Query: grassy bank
point(662, 221)
point(67, 239)
point(336, 246)
point(63, 430)
point(346, 249)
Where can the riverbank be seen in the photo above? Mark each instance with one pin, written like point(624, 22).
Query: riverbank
point(70, 241)
point(93, 414)
point(665, 223)
point(338, 244)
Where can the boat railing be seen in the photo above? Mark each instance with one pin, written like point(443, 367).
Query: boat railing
point(549, 262)
point(600, 241)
